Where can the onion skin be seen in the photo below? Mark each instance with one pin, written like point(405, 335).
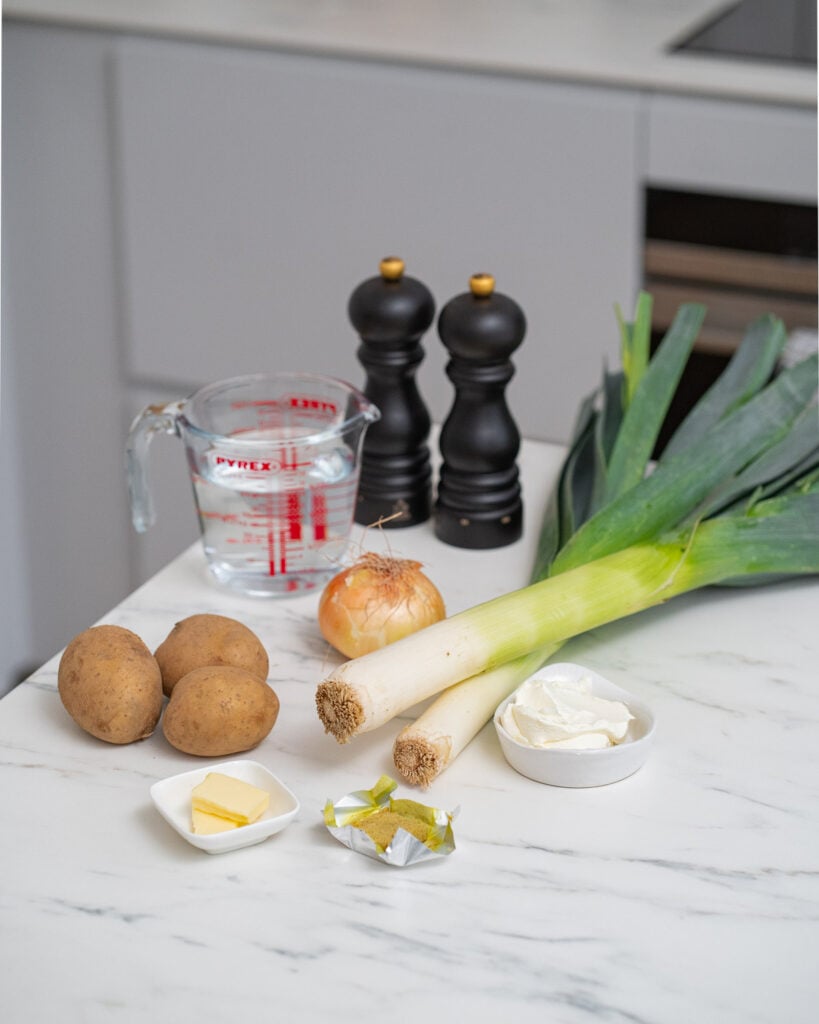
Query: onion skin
point(376, 601)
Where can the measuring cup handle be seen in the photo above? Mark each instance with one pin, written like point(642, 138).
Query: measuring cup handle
point(153, 420)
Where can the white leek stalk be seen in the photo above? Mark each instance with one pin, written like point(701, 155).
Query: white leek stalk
point(366, 692)
point(424, 748)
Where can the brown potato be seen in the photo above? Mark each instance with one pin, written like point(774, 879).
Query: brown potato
point(110, 684)
point(203, 640)
point(219, 709)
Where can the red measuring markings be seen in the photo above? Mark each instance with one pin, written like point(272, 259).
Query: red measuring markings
point(272, 569)
point(290, 460)
point(255, 403)
point(292, 401)
point(308, 403)
point(294, 515)
point(225, 517)
point(271, 551)
point(319, 515)
point(277, 540)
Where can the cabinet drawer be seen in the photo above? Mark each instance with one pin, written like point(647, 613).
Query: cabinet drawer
point(732, 148)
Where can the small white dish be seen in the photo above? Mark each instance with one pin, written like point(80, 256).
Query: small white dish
point(172, 798)
point(579, 769)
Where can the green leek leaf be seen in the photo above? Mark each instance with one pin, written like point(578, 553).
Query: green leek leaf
point(678, 485)
point(789, 457)
point(635, 343)
point(749, 369)
point(609, 422)
point(553, 531)
point(648, 407)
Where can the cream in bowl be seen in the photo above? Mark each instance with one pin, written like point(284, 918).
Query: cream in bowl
point(568, 726)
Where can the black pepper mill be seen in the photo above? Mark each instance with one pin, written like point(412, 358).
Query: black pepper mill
point(390, 313)
point(479, 498)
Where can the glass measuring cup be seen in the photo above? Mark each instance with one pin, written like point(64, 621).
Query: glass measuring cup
point(274, 461)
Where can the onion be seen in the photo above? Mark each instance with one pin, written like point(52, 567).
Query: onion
point(375, 601)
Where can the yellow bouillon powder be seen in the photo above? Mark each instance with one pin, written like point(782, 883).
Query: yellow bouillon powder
point(382, 826)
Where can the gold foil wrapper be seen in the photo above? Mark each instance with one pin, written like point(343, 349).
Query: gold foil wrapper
point(342, 817)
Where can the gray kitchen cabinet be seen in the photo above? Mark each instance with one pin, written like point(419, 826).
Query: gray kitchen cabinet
point(257, 190)
point(176, 212)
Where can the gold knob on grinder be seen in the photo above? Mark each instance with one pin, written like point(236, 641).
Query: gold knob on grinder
point(482, 285)
point(391, 267)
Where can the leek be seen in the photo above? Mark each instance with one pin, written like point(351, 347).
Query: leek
point(735, 498)
point(425, 747)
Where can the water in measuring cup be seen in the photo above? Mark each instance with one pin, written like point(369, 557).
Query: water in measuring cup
point(276, 528)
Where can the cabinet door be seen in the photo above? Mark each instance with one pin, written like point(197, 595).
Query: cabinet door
point(257, 189)
point(63, 488)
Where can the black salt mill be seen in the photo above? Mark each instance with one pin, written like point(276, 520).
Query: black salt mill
point(391, 312)
point(479, 501)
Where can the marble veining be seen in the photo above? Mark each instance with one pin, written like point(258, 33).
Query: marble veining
point(688, 892)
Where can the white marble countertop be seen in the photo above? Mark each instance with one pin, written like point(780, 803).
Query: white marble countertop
point(688, 892)
point(624, 43)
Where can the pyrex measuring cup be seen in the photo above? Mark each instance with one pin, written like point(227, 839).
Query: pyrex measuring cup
point(274, 462)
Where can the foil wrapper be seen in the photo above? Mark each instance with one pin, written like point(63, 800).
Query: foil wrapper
point(342, 817)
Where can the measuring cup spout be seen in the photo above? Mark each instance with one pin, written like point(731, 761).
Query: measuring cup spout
point(155, 419)
point(355, 427)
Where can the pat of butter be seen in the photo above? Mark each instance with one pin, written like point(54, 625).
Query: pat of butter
point(230, 798)
point(205, 824)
